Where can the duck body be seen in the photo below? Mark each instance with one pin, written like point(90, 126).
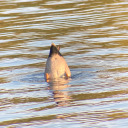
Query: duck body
point(56, 66)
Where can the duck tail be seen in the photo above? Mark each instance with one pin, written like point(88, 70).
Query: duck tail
point(54, 50)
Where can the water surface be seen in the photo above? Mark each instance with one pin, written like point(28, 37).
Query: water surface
point(93, 38)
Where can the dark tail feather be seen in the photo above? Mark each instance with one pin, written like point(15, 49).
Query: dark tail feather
point(54, 50)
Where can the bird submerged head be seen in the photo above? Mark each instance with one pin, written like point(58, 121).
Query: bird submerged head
point(54, 50)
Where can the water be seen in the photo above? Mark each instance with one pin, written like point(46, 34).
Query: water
point(93, 38)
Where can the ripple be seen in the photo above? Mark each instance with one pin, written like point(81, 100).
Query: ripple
point(93, 40)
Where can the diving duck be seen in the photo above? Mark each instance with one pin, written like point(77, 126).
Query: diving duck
point(56, 66)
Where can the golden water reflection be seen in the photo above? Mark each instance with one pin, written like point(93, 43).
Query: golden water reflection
point(93, 36)
point(59, 89)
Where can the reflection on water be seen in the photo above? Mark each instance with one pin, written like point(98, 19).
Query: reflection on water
point(59, 89)
point(93, 38)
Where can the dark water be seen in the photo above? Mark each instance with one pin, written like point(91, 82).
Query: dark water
point(93, 38)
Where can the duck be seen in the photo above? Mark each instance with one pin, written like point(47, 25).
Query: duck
point(56, 66)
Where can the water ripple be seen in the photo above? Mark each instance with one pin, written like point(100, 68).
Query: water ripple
point(93, 39)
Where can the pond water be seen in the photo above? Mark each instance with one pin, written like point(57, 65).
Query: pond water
point(93, 38)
